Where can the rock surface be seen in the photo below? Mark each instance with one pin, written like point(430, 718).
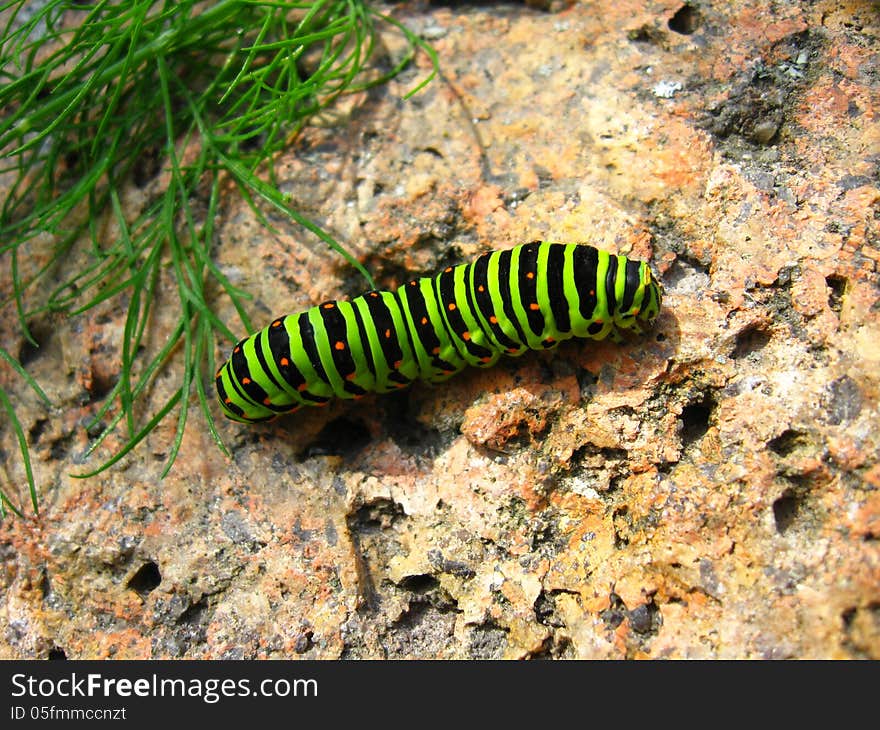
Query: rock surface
point(710, 491)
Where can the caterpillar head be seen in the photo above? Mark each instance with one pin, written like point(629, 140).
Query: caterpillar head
point(652, 297)
point(643, 296)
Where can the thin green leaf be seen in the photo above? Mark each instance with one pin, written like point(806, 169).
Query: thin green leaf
point(27, 378)
point(25, 454)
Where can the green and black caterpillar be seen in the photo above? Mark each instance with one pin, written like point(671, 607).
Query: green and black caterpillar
point(505, 302)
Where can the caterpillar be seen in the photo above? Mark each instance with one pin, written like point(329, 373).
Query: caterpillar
point(530, 297)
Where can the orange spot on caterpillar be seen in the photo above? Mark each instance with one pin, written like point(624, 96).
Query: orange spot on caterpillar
point(267, 401)
point(435, 351)
point(481, 288)
point(592, 292)
point(396, 364)
point(237, 349)
point(598, 320)
point(284, 362)
point(424, 320)
point(245, 381)
point(301, 387)
point(534, 306)
point(374, 294)
point(329, 305)
point(276, 323)
point(447, 269)
point(339, 345)
point(550, 339)
point(451, 306)
point(351, 376)
point(466, 335)
point(512, 350)
point(486, 359)
point(387, 334)
point(413, 282)
point(530, 275)
point(493, 319)
point(227, 401)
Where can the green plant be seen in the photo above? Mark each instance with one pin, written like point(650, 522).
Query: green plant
point(87, 90)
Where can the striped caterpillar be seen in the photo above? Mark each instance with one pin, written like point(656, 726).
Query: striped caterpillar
point(532, 296)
